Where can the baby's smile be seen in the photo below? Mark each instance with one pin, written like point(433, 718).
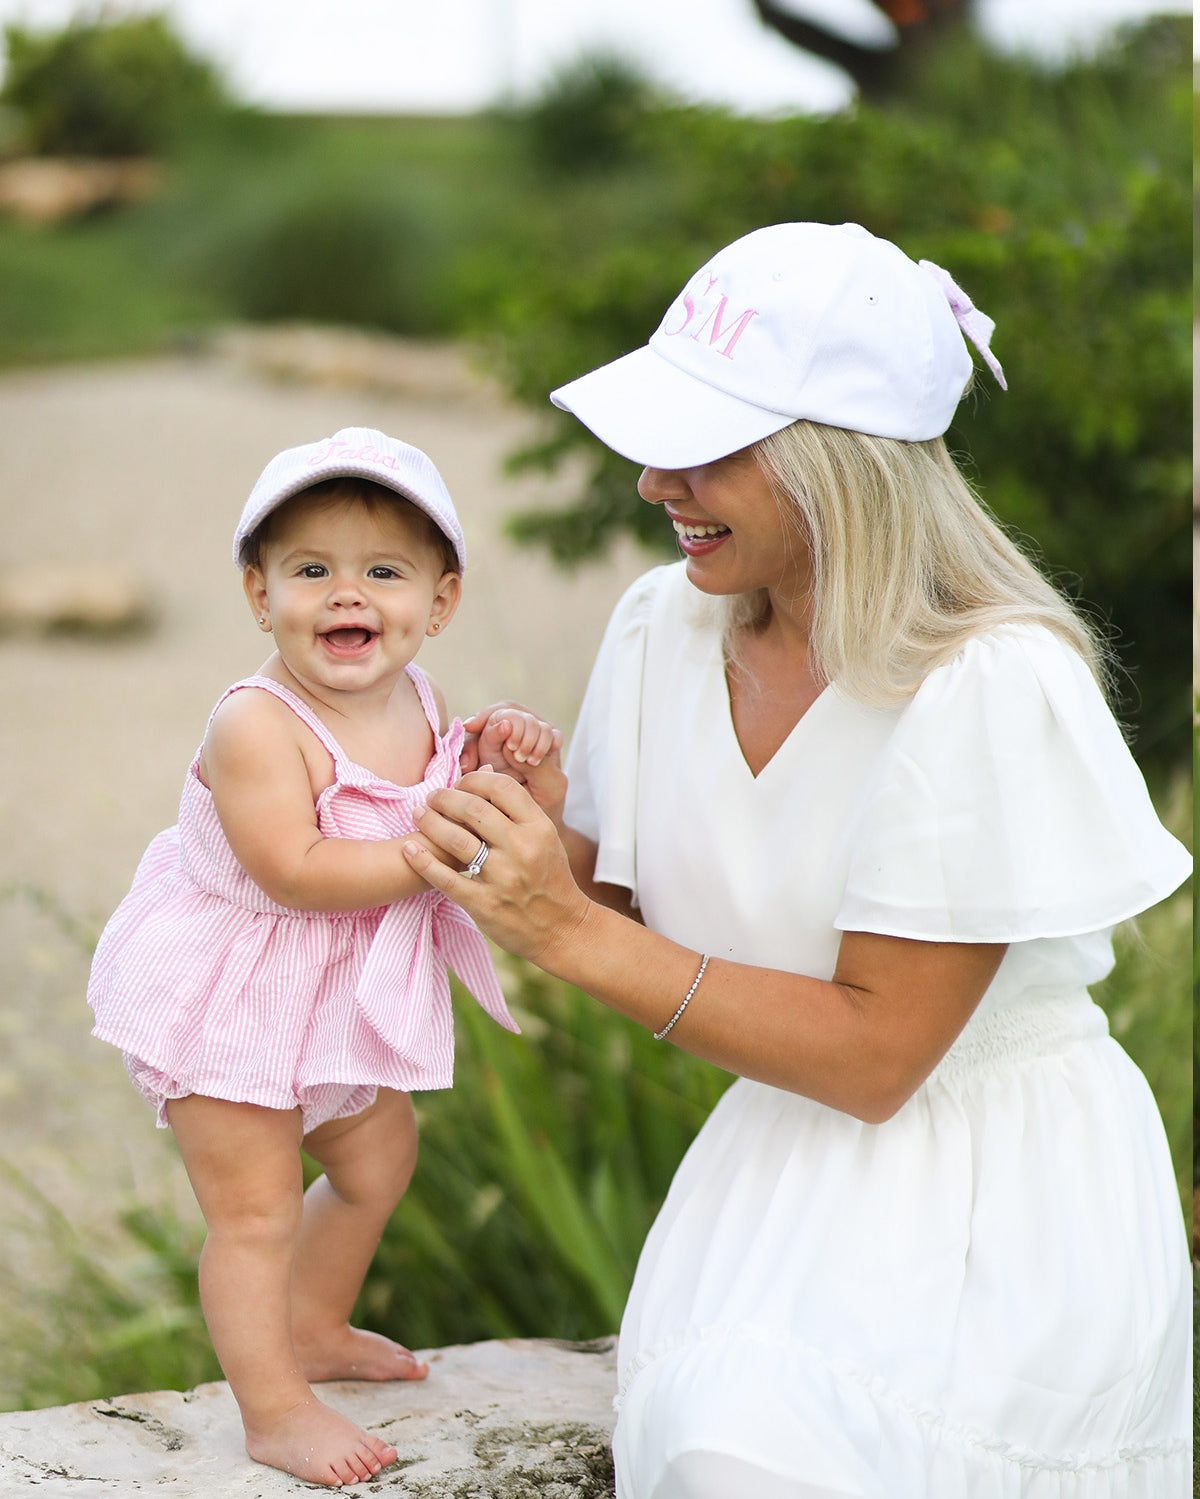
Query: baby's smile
point(348, 639)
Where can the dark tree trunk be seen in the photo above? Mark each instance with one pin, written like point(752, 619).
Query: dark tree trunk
point(877, 72)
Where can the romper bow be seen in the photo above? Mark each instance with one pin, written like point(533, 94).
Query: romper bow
point(403, 991)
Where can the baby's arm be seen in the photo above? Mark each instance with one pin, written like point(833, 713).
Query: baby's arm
point(511, 739)
point(254, 764)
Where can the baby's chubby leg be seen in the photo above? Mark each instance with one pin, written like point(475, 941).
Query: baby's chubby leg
point(244, 1165)
point(368, 1161)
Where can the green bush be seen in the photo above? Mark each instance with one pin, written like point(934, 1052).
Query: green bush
point(105, 87)
point(328, 256)
point(589, 115)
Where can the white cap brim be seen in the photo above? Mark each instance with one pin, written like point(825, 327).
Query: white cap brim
point(646, 409)
point(354, 452)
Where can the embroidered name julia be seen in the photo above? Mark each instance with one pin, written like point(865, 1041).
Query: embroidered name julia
point(346, 454)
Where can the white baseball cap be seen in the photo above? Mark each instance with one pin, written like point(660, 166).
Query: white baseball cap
point(817, 321)
point(354, 452)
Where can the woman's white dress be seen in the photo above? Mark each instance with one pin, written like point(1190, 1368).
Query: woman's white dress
point(985, 1297)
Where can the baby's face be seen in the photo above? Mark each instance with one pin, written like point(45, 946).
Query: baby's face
point(349, 591)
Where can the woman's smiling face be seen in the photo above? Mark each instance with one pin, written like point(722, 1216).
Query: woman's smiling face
point(350, 590)
point(731, 528)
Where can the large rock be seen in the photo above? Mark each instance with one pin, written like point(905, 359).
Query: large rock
point(45, 189)
point(78, 597)
point(520, 1419)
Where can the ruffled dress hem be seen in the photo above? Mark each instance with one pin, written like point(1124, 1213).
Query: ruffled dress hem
point(318, 1104)
point(937, 1430)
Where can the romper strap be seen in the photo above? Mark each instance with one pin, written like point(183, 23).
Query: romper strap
point(300, 708)
point(425, 692)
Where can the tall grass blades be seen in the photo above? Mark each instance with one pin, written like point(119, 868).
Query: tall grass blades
point(1148, 1001)
point(73, 1327)
point(540, 1173)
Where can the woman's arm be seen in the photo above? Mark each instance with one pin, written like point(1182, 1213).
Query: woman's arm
point(862, 1042)
point(262, 789)
point(581, 857)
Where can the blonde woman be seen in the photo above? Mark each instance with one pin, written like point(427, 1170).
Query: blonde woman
point(849, 816)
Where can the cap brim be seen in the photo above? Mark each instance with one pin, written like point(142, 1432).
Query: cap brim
point(647, 410)
point(318, 474)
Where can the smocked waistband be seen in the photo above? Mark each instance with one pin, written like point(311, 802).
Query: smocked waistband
point(1020, 1032)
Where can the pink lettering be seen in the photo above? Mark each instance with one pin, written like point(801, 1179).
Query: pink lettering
point(326, 453)
point(715, 316)
point(689, 306)
point(689, 311)
point(365, 454)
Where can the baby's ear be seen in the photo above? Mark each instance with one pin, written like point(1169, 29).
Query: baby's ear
point(255, 585)
point(445, 601)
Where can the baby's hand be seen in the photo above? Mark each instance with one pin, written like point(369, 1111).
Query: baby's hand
point(510, 739)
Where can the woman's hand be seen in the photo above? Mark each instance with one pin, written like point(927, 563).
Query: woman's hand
point(524, 897)
point(861, 1042)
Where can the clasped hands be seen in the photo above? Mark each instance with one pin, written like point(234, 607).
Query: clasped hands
point(525, 899)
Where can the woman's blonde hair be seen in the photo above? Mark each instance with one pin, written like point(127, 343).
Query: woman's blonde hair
point(906, 563)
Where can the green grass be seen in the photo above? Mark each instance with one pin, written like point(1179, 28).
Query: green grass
point(253, 209)
point(1149, 1012)
point(540, 1173)
point(1148, 997)
point(78, 1327)
point(407, 225)
point(90, 291)
point(136, 280)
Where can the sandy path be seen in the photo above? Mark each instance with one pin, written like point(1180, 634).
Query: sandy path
point(145, 466)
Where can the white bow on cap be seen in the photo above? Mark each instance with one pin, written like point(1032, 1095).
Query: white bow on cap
point(975, 324)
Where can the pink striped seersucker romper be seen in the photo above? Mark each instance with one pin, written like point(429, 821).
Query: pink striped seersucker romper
point(208, 986)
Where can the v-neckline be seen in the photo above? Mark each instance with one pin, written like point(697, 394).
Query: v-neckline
point(793, 734)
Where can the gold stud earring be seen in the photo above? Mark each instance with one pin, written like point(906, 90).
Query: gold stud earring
point(435, 627)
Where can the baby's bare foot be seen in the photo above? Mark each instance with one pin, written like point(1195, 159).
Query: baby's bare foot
point(312, 1442)
point(352, 1353)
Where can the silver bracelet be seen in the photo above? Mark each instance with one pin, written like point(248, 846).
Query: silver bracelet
point(658, 1035)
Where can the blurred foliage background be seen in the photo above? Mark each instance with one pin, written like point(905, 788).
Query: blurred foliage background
point(554, 237)
point(105, 87)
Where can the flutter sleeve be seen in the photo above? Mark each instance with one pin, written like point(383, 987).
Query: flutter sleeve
point(602, 760)
point(1006, 807)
